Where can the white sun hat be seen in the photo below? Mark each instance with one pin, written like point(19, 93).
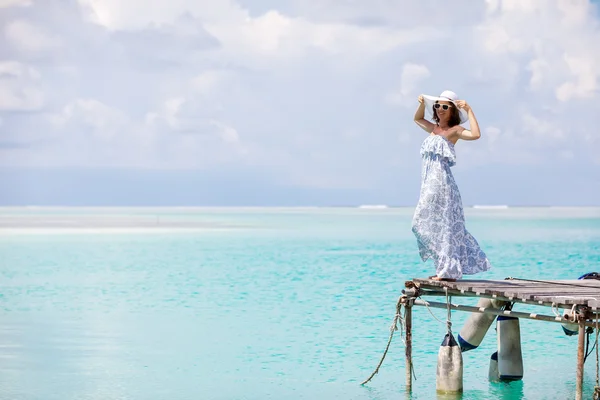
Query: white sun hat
point(447, 95)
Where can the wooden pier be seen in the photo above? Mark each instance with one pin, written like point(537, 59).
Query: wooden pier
point(580, 298)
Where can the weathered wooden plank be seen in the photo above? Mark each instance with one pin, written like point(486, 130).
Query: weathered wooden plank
point(562, 292)
point(473, 282)
point(519, 292)
point(592, 289)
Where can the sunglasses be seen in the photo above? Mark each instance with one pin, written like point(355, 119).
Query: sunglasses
point(443, 106)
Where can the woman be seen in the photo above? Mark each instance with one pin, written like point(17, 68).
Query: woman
point(439, 222)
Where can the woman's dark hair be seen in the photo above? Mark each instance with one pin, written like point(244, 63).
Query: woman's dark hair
point(454, 116)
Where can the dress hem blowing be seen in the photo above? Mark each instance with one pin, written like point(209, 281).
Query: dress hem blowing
point(439, 222)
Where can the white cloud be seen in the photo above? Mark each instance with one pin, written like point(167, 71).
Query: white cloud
point(102, 121)
point(411, 79)
point(29, 38)
point(557, 40)
point(19, 87)
point(10, 3)
point(118, 15)
point(585, 74)
point(207, 82)
point(391, 13)
point(542, 128)
point(277, 35)
point(228, 134)
point(250, 39)
point(298, 91)
point(492, 134)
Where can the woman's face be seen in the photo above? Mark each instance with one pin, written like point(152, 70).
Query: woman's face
point(443, 110)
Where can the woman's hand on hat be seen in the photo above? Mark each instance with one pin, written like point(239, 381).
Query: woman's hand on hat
point(463, 104)
point(420, 99)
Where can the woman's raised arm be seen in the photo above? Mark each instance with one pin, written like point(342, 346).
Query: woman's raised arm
point(473, 133)
point(420, 117)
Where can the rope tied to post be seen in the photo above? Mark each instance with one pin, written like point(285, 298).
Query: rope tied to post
point(448, 322)
point(393, 328)
point(400, 320)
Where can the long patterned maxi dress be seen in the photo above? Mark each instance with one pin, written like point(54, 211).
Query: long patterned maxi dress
point(439, 222)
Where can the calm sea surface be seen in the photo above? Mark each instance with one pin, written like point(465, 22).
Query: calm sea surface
point(260, 303)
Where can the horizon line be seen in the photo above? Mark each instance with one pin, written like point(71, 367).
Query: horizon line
point(359, 206)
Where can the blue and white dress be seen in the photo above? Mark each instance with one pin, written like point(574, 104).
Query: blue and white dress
point(439, 221)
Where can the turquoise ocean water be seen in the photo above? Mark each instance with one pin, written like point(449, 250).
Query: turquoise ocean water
point(263, 304)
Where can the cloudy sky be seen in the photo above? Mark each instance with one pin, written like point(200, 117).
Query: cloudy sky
point(293, 102)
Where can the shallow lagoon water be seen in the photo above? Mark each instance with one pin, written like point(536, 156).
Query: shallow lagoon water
point(260, 303)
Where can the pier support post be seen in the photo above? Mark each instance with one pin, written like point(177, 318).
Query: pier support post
point(580, 361)
point(408, 319)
